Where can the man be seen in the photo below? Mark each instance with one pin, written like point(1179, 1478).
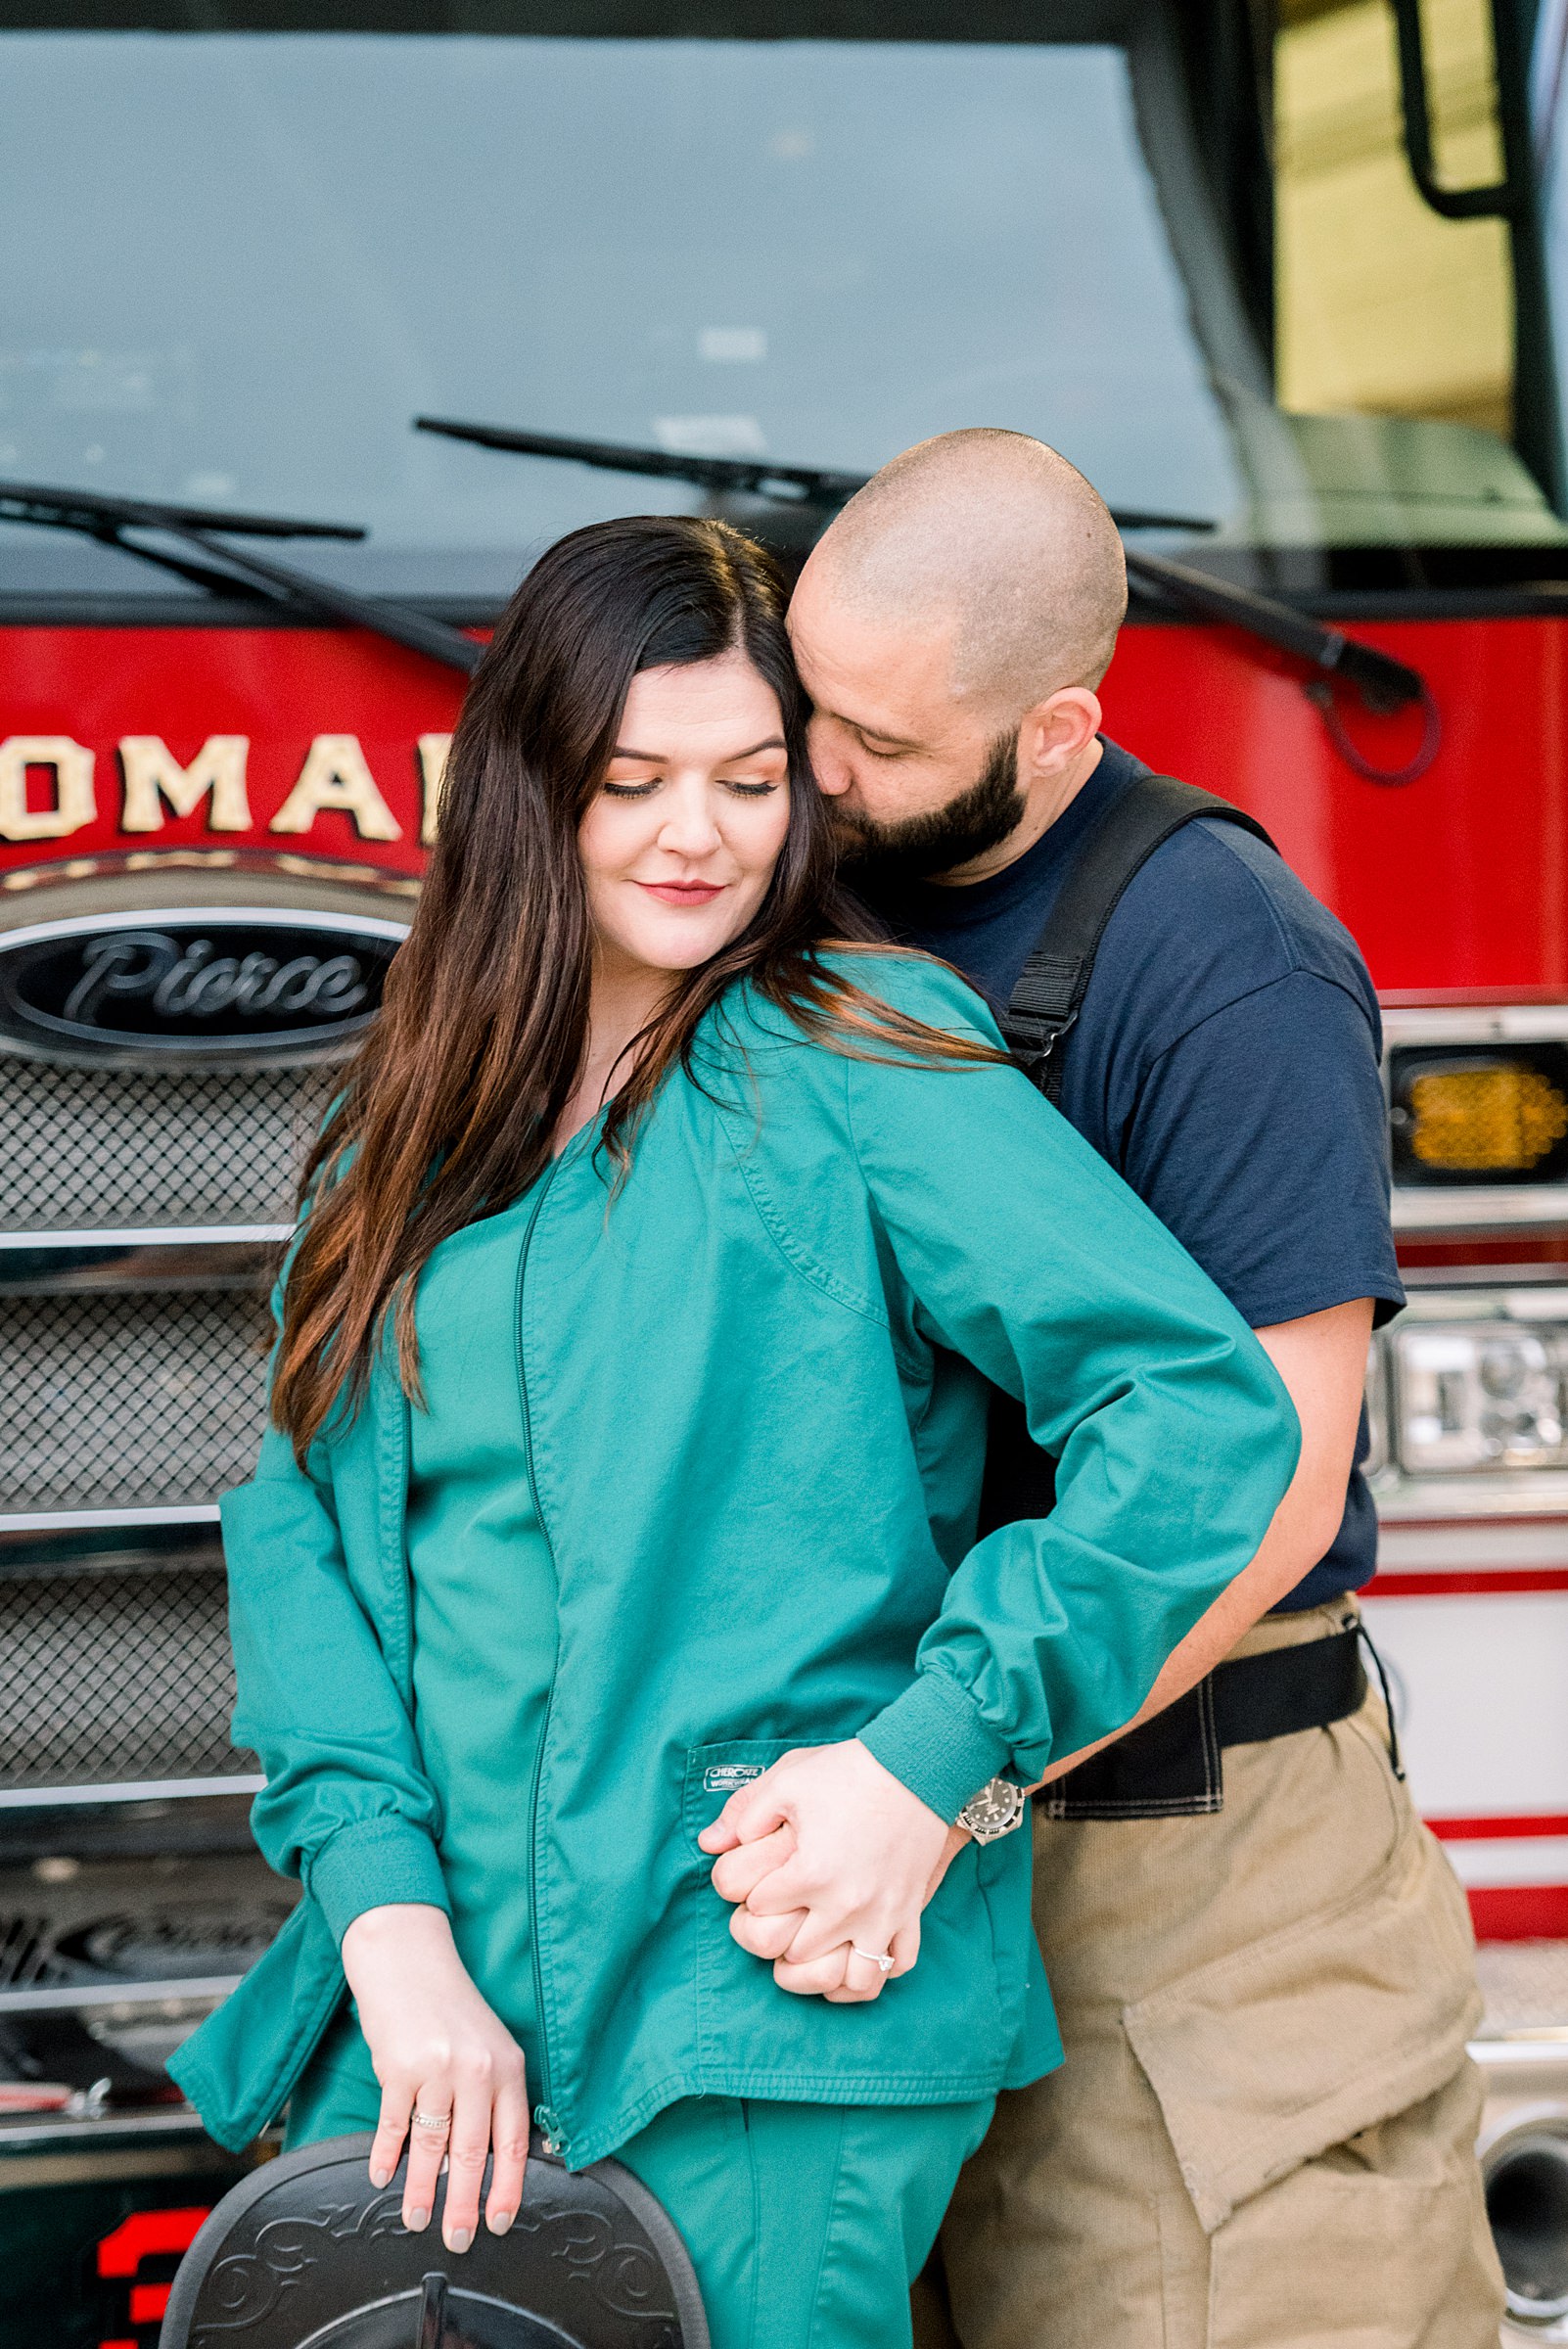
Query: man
point(1264, 2130)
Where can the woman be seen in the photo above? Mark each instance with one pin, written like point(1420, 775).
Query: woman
point(628, 1415)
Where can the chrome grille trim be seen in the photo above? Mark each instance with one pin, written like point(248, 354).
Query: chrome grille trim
point(35, 1265)
point(208, 1987)
point(59, 1521)
point(133, 1790)
point(156, 1235)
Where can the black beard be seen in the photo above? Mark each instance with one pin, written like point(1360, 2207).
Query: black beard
point(981, 817)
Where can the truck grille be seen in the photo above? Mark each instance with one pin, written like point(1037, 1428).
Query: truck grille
point(110, 1149)
point(116, 1670)
point(113, 1678)
point(113, 1401)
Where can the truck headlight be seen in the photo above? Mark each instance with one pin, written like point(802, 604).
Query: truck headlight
point(1472, 1395)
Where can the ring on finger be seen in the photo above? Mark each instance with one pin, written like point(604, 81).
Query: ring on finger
point(432, 2120)
point(881, 1959)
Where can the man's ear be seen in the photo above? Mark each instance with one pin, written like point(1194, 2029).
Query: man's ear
point(1056, 731)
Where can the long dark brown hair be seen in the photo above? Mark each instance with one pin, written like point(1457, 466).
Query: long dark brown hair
point(450, 1107)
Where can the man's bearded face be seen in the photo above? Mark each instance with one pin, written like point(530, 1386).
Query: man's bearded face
point(940, 841)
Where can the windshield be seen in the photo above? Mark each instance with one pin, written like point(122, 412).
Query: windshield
point(237, 265)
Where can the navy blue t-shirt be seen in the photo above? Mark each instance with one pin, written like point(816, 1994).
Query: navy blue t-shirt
point(1226, 1063)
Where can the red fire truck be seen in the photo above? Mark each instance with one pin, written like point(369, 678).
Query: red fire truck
point(683, 254)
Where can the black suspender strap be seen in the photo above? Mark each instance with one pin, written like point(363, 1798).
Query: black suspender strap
point(1051, 986)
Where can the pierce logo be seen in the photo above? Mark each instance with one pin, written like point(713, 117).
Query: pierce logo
point(195, 982)
point(176, 983)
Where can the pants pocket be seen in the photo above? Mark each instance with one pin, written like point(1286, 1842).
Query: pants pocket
point(1380, 2243)
point(1280, 2051)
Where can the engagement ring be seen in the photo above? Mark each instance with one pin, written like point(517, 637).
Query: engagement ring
point(431, 2120)
point(883, 1959)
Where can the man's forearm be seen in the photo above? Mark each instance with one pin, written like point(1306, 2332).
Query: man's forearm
point(1322, 1360)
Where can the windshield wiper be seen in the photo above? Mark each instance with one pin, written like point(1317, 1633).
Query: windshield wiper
point(108, 519)
point(1383, 683)
point(784, 485)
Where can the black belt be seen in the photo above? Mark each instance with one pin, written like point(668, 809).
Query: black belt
point(1171, 1768)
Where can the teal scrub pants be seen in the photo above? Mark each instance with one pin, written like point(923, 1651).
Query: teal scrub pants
point(806, 2224)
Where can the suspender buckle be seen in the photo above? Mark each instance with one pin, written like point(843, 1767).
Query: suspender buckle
point(1032, 1041)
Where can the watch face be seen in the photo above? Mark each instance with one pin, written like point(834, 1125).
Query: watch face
point(997, 1807)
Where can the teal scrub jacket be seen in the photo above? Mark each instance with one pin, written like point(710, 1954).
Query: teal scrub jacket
point(756, 1413)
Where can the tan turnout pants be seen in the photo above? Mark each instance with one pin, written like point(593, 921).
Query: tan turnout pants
point(1262, 2137)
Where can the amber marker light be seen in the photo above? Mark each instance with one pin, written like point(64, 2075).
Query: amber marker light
point(1488, 1115)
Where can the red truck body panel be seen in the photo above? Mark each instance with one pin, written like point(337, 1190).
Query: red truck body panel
point(1456, 882)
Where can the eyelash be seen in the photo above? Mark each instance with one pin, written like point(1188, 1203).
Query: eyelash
point(644, 791)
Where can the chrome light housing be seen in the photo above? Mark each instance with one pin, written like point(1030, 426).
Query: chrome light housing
point(1478, 1116)
point(1479, 1395)
point(1467, 1397)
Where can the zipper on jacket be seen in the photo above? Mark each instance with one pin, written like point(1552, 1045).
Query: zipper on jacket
point(544, 2112)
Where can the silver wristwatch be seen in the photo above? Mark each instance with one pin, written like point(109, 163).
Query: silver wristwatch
point(994, 1811)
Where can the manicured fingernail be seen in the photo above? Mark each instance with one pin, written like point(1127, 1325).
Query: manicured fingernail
point(416, 2221)
point(380, 2178)
point(499, 2221)
point(460, 2238)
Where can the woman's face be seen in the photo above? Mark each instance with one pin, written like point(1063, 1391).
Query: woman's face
point(679, 843)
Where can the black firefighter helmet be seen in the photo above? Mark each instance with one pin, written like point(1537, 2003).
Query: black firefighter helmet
point(305, 2253)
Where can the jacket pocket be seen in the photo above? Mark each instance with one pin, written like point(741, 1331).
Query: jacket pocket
point(1265, 2058)
point(714, 1772)
point(941, 2033)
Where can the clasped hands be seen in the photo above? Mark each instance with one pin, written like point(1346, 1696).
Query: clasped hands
point(829, 1860)
point(827, 1853)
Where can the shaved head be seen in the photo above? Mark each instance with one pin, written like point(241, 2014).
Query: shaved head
point(994, 542)
point(951, 629)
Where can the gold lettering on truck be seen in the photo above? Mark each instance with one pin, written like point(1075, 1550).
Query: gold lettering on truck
point(335, 776)
point(71, 765)
point(153, 775)
point(433, 751)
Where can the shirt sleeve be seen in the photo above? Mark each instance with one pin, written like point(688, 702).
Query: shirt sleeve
point(1259, 1137)
point(1175, 1437)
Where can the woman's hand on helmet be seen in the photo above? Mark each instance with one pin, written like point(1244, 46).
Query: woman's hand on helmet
point(830, 1860)
point(441, 2054)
